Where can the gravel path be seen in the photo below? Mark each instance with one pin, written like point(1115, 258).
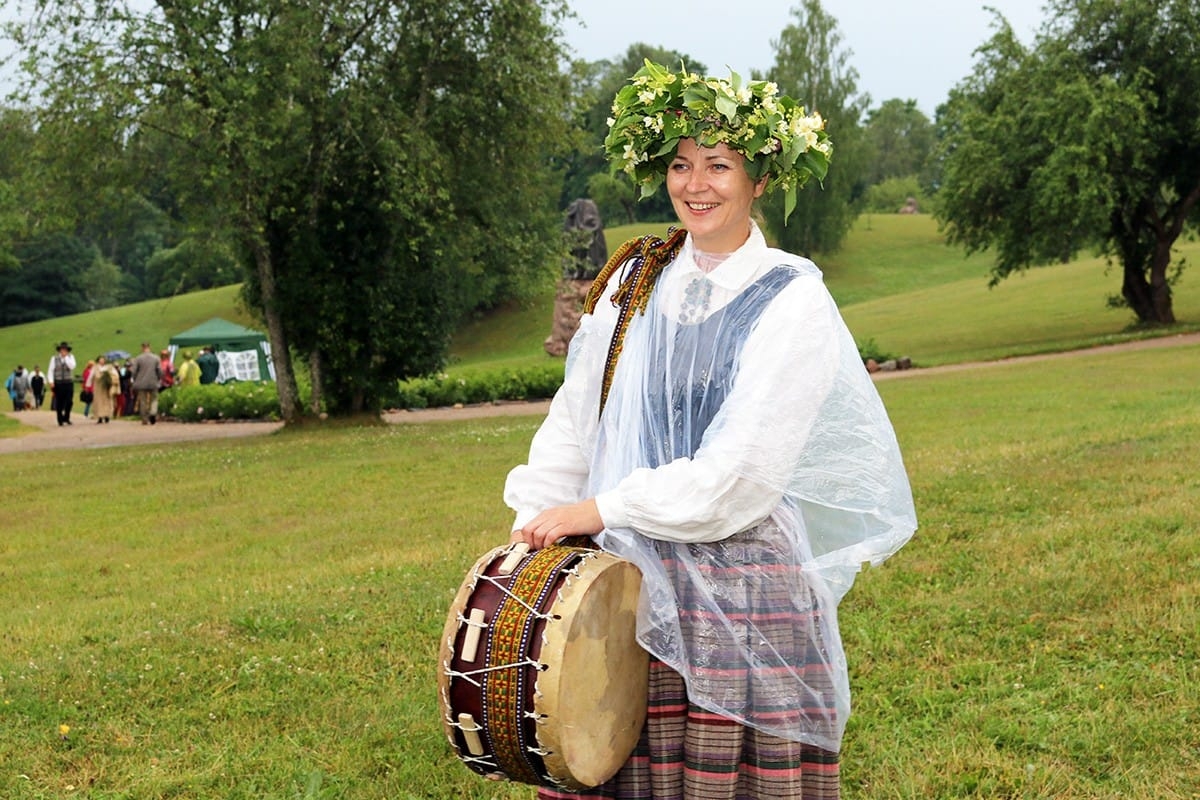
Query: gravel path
point(43, 433)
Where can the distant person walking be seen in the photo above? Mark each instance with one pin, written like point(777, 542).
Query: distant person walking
point(147, 375)
point(86, 394)
point(37, 384)
point(106, 386)
point(125, 400)
point(62, 373)
point(18, 386)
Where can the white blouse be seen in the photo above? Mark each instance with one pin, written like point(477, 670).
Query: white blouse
point(702, 498)
point(742, 439)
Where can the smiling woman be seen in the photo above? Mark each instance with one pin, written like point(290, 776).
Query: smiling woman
point(716, 428)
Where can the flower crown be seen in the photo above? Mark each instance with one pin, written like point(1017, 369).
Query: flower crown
point(658, 107)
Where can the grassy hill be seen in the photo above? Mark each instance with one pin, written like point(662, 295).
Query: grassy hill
point(898, 285)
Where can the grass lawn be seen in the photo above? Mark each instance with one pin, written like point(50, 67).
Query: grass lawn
point(259, 618)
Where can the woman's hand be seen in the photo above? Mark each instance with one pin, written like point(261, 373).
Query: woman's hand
point(578, 519)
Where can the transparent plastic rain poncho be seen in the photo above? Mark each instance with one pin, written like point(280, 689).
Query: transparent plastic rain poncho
point(745, 463)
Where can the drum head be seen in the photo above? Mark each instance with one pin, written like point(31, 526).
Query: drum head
point(592, 693)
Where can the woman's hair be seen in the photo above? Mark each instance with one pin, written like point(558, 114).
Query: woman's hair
point(657, 108)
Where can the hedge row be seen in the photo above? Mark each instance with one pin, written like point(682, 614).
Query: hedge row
point(221, 401)
point(527, 383)
point(251, 400)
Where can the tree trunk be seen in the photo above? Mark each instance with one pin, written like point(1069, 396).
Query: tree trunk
point(314, 368)
point(285, 379)
point(1160, 290)
point(1150, 299)
point(630, 211)
point(1136, 292)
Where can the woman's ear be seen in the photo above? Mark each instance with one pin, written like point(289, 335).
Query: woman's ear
point(759, 186)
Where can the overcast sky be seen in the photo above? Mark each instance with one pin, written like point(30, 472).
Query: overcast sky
point(911, 50)
point(916, 50)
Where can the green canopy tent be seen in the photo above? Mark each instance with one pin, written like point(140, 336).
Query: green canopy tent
point(245, 354)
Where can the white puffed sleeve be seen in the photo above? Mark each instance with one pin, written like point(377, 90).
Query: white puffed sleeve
point(560, 453)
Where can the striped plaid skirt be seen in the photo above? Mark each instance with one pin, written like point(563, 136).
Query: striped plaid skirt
point(687, 753)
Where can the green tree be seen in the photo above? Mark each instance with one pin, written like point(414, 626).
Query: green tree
point(16, 137)
point(465, 102)
point(615, 196)
point(384, 311)
point(900, 139)
point(1085, 139)
point(196, 263)
point(811, 66)
point(57, 273)
point(122, 208)
point(892, 194)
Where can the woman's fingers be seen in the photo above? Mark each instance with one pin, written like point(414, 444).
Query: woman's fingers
point(578, 519)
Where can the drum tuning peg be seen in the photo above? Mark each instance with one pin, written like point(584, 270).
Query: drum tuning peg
point(471, 729)
point(515, 554)
point(475, 628)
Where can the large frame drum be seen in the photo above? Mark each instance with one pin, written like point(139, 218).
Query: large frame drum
point(542, 680)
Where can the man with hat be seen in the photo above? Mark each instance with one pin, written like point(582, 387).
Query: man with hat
point(62, 373)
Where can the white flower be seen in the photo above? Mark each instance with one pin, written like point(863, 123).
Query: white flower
point(647, 95)
point(632, 156)
point(802, 126)
point(610, 122)
point(653, 123)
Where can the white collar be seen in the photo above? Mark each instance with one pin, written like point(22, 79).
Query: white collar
point(739, 269)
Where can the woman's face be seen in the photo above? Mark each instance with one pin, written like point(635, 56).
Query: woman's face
point(712, 194)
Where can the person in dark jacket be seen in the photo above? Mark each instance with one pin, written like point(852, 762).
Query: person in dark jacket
point(147, 377)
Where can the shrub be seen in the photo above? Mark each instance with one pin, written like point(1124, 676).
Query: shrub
point(887, 197)
point(871, 350)
point(260, 400)
point(527, 383)
point(219, 401)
